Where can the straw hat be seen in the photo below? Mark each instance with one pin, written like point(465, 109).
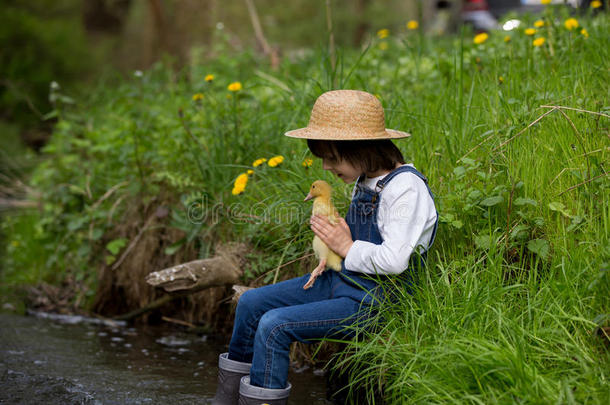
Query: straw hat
point(347, 115)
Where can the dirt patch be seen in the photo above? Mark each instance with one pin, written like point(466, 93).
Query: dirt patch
point(122, 287)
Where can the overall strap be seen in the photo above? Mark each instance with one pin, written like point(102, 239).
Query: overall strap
point(406, 168)
point(360, 179)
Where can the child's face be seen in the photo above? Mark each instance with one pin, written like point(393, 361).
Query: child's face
point(342, 169)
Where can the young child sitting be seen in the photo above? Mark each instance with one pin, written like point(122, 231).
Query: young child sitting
point(390, 224)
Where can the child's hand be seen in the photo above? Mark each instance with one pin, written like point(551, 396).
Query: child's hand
point(337, 237)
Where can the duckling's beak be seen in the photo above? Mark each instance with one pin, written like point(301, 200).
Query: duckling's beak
point(309, 197)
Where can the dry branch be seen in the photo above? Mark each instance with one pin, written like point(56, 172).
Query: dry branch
point(135, 241)
point(580, 140)
point(11, 203)
point(106, 194)
point(260, 36)
point(284, 265)
point(583, 183)
point(574, 109)
point(552, 108)
point(524, 129)
point(331, 36)
point(178, 322)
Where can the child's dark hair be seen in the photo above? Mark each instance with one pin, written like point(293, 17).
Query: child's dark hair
point(371, 156)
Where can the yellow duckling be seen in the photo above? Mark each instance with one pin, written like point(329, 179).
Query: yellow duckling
point(320, 192)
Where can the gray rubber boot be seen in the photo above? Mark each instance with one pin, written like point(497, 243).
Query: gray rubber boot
point(230, 373)
point(251, 395)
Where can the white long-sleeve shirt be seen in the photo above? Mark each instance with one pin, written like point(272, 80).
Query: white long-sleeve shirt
point(405, 217)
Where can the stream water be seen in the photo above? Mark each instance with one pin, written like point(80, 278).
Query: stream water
point(70, 361)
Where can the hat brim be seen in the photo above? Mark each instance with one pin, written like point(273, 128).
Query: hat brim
point(308, 133)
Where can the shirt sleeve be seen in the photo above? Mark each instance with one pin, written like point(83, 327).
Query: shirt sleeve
point(405, 219)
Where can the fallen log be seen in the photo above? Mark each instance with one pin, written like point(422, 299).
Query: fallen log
point(223, 269)
point(184, 279)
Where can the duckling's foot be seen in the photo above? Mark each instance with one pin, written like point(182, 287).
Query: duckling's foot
point(314, 274)
point(309, 284)
point(312, 279)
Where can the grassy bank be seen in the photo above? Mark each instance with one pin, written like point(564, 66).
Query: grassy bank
point(513, 137)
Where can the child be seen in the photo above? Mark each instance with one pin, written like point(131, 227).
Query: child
point(391, 216)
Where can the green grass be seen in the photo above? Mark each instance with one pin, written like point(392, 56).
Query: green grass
point(517, 280)
point(468, 335)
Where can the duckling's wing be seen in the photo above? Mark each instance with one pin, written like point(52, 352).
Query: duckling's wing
point(333, 216)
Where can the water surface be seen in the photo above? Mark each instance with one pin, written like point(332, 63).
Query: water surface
point(49, 362)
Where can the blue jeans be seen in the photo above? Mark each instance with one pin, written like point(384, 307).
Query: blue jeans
point(269, 318)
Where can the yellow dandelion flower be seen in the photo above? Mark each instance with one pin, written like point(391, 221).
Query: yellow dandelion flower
point(480, 38)
point(530, 31)
point(276, 160)
point(412, 25)
point(307, 163)
point(596, 4)
point(258, 162)
point(209, 78)
point(571, 23)
point(545, 2)
point(383, 45)
point(197, 97)
point(235, 86)
point(539, 23)
point(538, 42)
point(383, 33)
point(240, 184)
point(500, 79)
point(250, 171)
point(584, 33)
point(507, 38)
point(241, 180)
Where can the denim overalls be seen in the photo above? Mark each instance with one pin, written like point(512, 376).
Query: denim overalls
point(362, 221)
point(268, 319)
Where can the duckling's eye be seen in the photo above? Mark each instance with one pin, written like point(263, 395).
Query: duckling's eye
point(313, 186)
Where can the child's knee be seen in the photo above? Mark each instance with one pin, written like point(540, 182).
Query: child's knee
point(248, 302)
point(270, 329)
